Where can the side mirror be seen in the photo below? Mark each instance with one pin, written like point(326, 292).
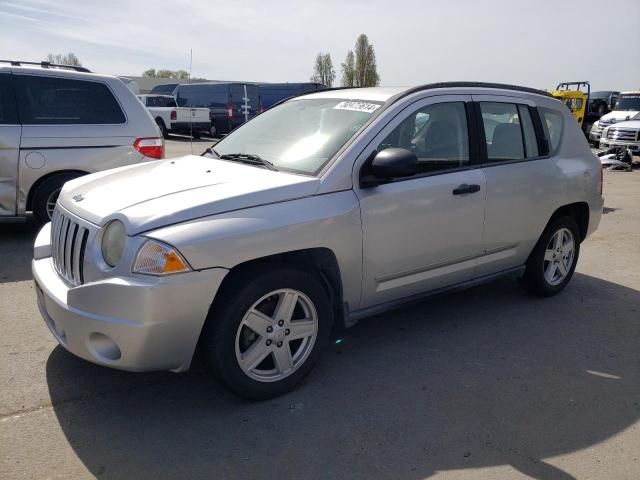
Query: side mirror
point(390, 163)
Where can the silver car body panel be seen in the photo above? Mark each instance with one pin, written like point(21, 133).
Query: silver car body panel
point(391, 243)
point(49, 149)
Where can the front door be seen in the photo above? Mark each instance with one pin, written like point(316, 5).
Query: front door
point(10, 130)
point(424, 232)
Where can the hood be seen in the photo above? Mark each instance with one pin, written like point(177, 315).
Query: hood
point(618, 116)
point(626, 124)
point(159, 193)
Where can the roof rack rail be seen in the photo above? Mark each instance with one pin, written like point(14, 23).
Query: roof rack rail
point(45, 64)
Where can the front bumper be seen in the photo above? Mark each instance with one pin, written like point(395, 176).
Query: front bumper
point(633, 146)
point(137, 324)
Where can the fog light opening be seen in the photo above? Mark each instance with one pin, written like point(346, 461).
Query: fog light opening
point(103, 347)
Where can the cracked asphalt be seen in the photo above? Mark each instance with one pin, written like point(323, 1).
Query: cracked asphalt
point(488, 383)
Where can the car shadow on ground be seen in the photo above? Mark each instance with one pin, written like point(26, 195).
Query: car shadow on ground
point(16, 250)
point(488, 376)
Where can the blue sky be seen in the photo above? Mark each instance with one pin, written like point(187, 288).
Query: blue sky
point(534, 43)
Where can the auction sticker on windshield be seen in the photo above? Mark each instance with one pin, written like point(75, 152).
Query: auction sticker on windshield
point(357, 106)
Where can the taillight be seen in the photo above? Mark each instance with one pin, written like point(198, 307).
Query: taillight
point(230, 111)
point(174, 115)
point(261, 108)
point(150, 147)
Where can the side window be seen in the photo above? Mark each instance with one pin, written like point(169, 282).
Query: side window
point(437, 134)
point(552, 124)
point(63, 101)
point(529, 132)
point(8, 115)
point(502, 131)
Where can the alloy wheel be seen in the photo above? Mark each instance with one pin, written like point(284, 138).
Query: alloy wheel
point(558, 256)
point(276, 335)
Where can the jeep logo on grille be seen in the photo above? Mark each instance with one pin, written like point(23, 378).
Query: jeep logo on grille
point(78, 198)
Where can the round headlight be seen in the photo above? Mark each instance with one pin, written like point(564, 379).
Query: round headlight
point(113, 240)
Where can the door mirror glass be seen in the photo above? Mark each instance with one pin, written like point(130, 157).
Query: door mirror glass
point(393, 163)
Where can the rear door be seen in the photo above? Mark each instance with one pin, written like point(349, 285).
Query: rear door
point(523, 182)
point(10, 130)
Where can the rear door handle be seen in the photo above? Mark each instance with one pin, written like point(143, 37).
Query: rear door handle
point(465, 189)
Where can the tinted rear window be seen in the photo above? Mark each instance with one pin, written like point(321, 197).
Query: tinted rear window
point(202, 96)
point(166, 89)
point(161, 102)
point(60, 101)
point(7, 102)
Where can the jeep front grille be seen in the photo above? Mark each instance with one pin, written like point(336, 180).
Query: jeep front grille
point(68, 245)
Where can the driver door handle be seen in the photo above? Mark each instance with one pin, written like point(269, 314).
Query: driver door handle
point(465, 189)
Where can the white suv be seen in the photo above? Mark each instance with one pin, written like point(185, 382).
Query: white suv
point(59, 122)
point(320, 211)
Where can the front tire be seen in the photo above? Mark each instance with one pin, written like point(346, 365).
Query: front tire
point(554, 258)
point(267, 331)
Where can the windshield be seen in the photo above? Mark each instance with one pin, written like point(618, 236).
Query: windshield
point(628, 103)
point(300, 135)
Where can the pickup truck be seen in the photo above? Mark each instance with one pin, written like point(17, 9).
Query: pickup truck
point(173, 119)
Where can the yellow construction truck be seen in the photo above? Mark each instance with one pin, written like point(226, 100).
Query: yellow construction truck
point(575, 95)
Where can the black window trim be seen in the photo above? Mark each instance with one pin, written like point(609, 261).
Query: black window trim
point(64, 77)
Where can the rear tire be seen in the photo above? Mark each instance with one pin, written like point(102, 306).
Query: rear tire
point(46, 196)
point(554, 258)
point(272, 357)
point(163, 128)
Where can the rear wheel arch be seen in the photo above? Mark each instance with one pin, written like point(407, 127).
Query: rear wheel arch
point(45, 178)
point(579, 211)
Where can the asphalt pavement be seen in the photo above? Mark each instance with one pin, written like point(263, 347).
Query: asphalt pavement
point(488, 383)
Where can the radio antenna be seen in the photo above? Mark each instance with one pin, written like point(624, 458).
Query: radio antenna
point(189, 82)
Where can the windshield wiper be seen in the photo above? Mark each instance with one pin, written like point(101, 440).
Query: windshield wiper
point(250, 159)
point(210, 151)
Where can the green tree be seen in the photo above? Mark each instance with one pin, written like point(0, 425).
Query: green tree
point(323, 70)
point(366, 70)
point(176, 74)
point(349, 70)
point(61, 59)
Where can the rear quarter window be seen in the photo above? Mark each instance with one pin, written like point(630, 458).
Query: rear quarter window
point(64, 101)
point(8, 114)
point(553, 125)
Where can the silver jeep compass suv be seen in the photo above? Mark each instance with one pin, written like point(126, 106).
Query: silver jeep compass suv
point(324, 209)
point(58, 122)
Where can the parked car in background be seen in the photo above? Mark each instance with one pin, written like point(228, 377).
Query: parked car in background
point(173, 119)
point(627, 106)
point(58, 123)
point(290, 225)
point(623, 134)
point(272, 93)
point(600, 103)
point(164, 89)
point(230, 104)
